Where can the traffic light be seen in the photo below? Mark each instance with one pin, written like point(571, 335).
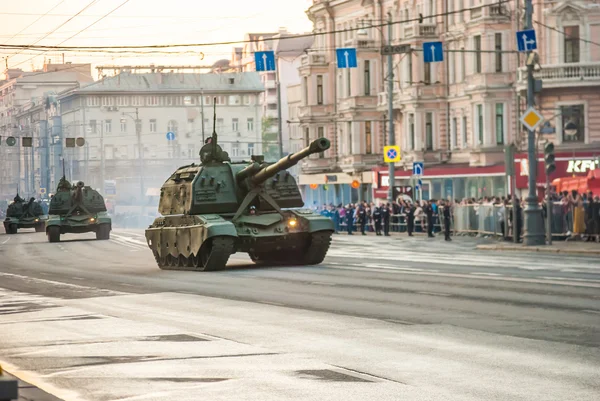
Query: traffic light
point(549, 157)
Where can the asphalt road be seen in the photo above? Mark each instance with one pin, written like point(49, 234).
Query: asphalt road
point(392, 318)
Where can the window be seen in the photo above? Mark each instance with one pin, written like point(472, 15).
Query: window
point(477, 48)
point(235, 149)
point(411, 131)
point(189, 100)
point(220, 124)
point(235, 100)
point(368, 138)
point(250, 148)
point(573, 128)
point(305, 87)
point(480, 123)
point(221, 100)
point(93, 127)
point(107, 126)
point(498, 48)
point(123, 101)
point(107, 100)
point(349, 134)
point(499, 124)
point(319, 89)
point(348, 83)
point(571, 44)
point(235, 125)
point(172, 126)
point(306, 137)
point(247, 99)
point(321, 134)
point(410, 68)
point(367, 78)
point(93, 101)
point(250, 125)
point(464, 132)
point(137, 101)
point(152, 126)
point(208, 100)
point(463, 64)
point(152, 101)
point(427, 73)
point(169, 101)
point(429, 130)
point(123, 126)
point(454, 138)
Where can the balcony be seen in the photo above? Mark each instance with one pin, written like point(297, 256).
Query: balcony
point(356, 163)
point(313, 60)
point(363, 44)
point(494, 12)
point(321, 110)
point(270, 85)
point(564, 75)
point(358, 102)
point(416, 30)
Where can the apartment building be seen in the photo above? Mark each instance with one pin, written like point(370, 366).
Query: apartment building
point(294, 101)
point(22, 167)
point(174, 113)
point(287, 48)
point(456, 116)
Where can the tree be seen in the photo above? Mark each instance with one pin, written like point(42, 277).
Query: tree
point(269, 138)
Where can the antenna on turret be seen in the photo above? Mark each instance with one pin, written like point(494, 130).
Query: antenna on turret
point(63, 163)
point(214, 133)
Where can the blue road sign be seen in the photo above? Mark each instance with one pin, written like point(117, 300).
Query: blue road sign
point(419, 184)
point(392, 153)
point(346, 58)
point(170, 136)
point(526, 40)
point(418, 168)
point(433, 52)
point(265, 61)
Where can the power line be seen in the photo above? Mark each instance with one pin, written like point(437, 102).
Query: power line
point(54, 30)
point(567, 35)
point(418, 19)
point(41, 16)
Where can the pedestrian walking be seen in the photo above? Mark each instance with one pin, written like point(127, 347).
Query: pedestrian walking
point(446, 213)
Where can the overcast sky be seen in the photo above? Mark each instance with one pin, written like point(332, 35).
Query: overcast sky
point(141, 22)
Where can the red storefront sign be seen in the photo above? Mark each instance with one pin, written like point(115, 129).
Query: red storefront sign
point(567, 165)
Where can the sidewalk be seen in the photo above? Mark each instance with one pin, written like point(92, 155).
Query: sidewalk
point(561, 247)
point(28, 392)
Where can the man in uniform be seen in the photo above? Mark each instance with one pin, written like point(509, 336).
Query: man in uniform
point(362, 218)
point(377, 219)
point(446, 205)
point(410, 218)
point(385, 216)
point(429, 214)
point(349, 218)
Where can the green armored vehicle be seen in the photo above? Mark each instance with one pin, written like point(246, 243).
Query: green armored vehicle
point(218, 208)
point(77, 209)
point(21, 214)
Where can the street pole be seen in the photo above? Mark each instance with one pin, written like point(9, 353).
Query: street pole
point(534, 231)
point(548, 210)
point(102, 158)
point(202, 112)
point(279, 122)
point(391, 138)
point(138, 129)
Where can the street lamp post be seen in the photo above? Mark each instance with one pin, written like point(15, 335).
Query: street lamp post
point(390, 91)
point(138, 131)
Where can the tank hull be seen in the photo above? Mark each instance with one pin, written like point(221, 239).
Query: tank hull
point(181, 242)
point(12, 224)
point(100, 224)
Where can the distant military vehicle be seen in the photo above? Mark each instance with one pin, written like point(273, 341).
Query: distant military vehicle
point(22, 214)
point(77, 209)
point(218, 208)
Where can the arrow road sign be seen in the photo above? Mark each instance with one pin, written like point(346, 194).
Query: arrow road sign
point(346, 58)
point(170, 136)
point(391, 154)
point(433, 52)
point(265, 61)
point(418, 168)
point(526, 40)
point(419, 184)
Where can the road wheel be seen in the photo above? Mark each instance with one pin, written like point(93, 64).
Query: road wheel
point(317, 248)
point(53, 234)
point(103, 232)
point(214, 253)
point(161, 261)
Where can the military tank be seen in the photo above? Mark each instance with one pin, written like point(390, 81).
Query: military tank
point(22, 214)
point(77, 209)
point(216, 208)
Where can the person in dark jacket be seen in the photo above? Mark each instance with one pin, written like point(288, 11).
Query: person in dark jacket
point(386, 211)
point(447, 213)
point(362, 218)
point(410, 218)
point(377, 219)
point(349, 218)
point(429, 213)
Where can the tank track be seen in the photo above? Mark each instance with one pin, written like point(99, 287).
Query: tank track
point(213, 255)
point(313, 254)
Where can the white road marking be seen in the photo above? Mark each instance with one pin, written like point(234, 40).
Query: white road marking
point(485, 274)
point(8, 239)
point(59, 283)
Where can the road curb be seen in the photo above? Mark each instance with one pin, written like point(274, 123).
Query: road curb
point(538, 249)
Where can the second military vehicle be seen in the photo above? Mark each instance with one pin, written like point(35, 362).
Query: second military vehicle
point(22, 214)
point(218, 208)
point(77, 209)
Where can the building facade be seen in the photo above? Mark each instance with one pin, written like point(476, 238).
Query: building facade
point(148, 124)
point(457, 115)
point(25, 100)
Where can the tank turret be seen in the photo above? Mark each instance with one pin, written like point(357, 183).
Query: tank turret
point(218, 207)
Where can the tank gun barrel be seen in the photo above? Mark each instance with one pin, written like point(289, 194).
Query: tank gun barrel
point(317, 146)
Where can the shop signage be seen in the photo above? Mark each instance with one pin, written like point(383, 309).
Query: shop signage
point(331, 178)
point(581, 166)
point(525, 167)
